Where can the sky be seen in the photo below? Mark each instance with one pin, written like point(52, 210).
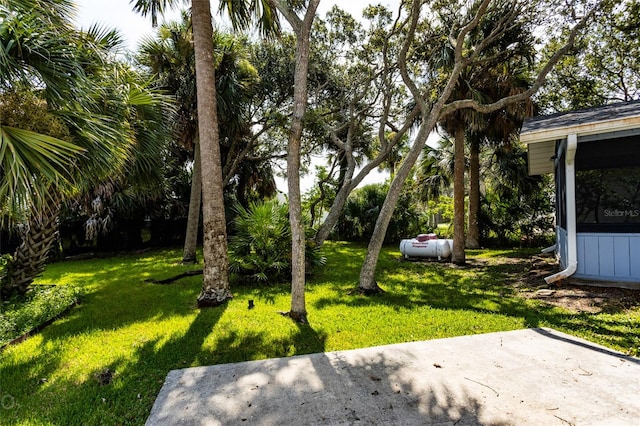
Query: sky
point(118, 14)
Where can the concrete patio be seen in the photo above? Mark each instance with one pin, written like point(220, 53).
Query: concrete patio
point(524, 377)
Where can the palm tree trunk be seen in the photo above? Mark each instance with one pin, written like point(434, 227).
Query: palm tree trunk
point(458, 254)
point(215, 284)
point(191, 238)
point(30, 257)
point(473, 231)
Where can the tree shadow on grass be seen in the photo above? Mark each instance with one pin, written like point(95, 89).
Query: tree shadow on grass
point(226, 376)
point(122, 390)
point(252, 345)
point(114, 293)
point(485, 288)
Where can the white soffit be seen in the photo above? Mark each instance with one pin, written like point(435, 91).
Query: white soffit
point(540, 157)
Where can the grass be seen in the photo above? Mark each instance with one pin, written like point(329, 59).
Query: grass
point(134, 332)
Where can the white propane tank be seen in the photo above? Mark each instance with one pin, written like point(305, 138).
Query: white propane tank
point(426, 247)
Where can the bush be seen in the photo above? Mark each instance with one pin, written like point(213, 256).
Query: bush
point(21, 314)
point(261, 246)
point(363, 207)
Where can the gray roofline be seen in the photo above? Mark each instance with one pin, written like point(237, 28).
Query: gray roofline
point(577, 120)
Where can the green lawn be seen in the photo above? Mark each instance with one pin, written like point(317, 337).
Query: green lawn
point(140, 331)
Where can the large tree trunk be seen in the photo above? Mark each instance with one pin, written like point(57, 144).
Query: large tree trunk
point(191, 238)
point(367, 284)
point(335, 212)
point(30, 257)
point(458, 254)
point(350, 182)
point(429, 116)
point(473, 231)
point(302, 29)
point(215, 284)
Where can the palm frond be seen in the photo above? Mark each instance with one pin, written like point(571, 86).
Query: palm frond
point(31, 163)
point(243, 13)
point(152, 8)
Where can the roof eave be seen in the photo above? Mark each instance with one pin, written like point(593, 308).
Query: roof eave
point(601, 127)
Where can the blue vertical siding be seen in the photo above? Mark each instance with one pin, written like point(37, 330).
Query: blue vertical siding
point(634, 256)
point(591, 254)
point(622, 255)
point(613, 257)
point(606, 256)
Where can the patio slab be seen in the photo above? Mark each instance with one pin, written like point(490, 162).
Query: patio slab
point(524, 377)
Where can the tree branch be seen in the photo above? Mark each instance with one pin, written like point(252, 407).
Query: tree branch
point(539, 81)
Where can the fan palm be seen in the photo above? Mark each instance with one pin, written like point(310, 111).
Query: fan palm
point(71, 124)
point(37, 54)
point(171, 57)
point(484, 84)
point(435, 170)
point(497, 130)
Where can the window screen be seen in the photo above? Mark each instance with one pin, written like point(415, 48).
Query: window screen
point(608, 186)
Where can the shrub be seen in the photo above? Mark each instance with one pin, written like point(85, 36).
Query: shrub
point(363, 207)
point(261, 246)
point(22, 314)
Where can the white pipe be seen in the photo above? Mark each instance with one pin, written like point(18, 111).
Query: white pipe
point(549, 249)
point(570, 188)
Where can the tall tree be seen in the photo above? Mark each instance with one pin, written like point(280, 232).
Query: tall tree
point(215, 286)
point(67, 97)
point(170, 55)
point(603, 67)
point(506, 58)
point(494, 131)
point(432, 109)
point(302, 29)
point(367, 99)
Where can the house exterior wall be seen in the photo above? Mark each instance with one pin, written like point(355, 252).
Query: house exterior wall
point(602, 254)
point(608, 256)
point(607, 195)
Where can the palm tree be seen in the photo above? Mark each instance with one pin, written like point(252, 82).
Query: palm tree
point(497, 130)
point(170, 56)
point(215, 287)
point(485, 84)
point(66, 107)
point(434, 170)
point(434, 102)
point(31, 60)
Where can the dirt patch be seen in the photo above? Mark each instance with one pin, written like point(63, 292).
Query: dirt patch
point(526, 275)
point(576, 296)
